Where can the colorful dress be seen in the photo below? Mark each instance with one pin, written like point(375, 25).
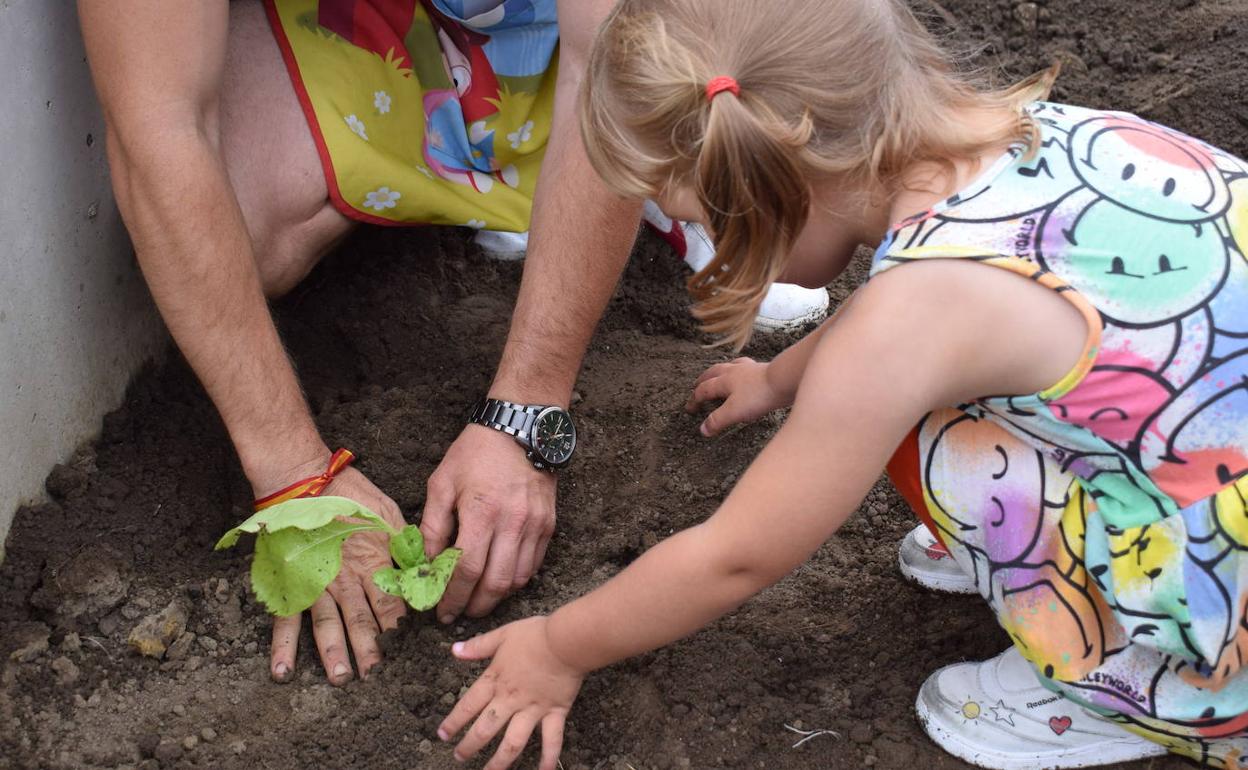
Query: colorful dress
point(425, 111)
point(1104, 518)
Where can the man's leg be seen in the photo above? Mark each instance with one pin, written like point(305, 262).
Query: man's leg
point(271, 159)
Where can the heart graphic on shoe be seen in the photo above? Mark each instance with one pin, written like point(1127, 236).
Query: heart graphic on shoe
point(1059, 725)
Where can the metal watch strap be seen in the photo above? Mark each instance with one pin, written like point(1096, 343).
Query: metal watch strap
point(516, 420)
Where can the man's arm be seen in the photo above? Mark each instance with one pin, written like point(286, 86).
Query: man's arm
point(158, 67)
point(580, 238)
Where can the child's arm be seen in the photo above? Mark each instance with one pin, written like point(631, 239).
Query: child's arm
point(873, 376)
point(750, 389)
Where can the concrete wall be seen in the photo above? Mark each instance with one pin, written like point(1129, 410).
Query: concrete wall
point(75, 318)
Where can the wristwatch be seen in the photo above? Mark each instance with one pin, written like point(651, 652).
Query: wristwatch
point(546, 432)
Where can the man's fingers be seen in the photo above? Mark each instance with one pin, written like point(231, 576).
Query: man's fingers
point(479, 647)
point(552, 740)
point(285, 645)
point(438, 520)
point(388, 609)
point(491, 720)
point(331, 641)
point(362, 627)
point(526, 560)
point(514, 740)
point(469, 570)
point(500, 570)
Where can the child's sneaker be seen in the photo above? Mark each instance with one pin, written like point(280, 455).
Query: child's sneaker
point(996, 714)
point(924, 560)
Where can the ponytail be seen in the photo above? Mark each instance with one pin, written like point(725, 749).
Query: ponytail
point(750, 180)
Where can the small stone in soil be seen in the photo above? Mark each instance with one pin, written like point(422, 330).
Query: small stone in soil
point(425, 747)
point(153, 635)
point(168, 752)
point(66, 672)
point(190, 742)
point(208, 734)
point(181, 646)
point(238, 747)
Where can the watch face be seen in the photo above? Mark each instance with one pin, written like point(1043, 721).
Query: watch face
point(554, 437)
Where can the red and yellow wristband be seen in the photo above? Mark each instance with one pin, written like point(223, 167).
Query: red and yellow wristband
point(313, 486)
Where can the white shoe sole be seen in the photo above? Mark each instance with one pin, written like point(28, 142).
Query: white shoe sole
point(947, 584)
point(1104, 752)
point(764, 324)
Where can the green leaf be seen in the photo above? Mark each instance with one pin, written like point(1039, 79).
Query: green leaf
point(388, 580)
point(408, 547)
point(309, 513)
point(422, 586)
point(292, 567)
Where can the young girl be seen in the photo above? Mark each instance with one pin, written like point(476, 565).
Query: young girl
point(1060, 306)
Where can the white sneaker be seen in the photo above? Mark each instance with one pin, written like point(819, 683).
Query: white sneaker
point(996, 714)
point(924, 560)
point(787, 307)
point(501, 246)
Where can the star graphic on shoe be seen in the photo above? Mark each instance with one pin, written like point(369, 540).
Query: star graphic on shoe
point(1000, 709)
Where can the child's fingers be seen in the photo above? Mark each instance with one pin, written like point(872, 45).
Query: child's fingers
point(479, 647)
point(514, 741)
point(552, 740)
point(717, 422)
point(711, 372)
point(712, 390)
point(477, 698)
point(483, 730)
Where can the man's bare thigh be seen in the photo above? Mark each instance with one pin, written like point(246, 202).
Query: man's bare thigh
point(271, 157)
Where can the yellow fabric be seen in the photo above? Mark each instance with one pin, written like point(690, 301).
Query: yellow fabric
point(367, 113)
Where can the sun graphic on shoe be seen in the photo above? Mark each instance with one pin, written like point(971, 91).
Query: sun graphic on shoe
point(971, 710)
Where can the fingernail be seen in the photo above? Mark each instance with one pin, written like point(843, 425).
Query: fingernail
point(443, 735)
point(703, 430)
point(341, 670)
point(447, 619)
point(281, 672)
point(458, 648)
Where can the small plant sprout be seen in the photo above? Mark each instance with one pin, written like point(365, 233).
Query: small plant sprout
point(299, 553)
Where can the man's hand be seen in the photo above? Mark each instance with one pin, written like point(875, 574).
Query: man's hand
point(506, 513)
point(525, 686)
point(352, 597)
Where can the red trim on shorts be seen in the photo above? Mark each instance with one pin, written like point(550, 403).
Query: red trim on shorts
point(905, 470)
point(301, 91)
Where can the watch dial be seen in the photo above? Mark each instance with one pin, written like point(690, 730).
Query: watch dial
point(554, 437)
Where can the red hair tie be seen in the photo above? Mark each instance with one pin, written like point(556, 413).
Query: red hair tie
point(721, 84)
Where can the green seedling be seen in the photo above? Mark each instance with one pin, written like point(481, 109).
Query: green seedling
point(299, 553)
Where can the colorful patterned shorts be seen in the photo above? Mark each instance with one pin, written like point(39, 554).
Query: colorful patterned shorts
point(425, 111)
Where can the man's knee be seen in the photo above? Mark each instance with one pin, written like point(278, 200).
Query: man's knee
point(286, 253)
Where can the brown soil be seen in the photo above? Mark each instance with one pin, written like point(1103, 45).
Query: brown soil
point(394, 337)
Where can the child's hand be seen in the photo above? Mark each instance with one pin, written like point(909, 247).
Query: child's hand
point(744, 388)
point(525, 685)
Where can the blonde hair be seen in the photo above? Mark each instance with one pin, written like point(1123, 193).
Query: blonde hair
point(848, 89)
